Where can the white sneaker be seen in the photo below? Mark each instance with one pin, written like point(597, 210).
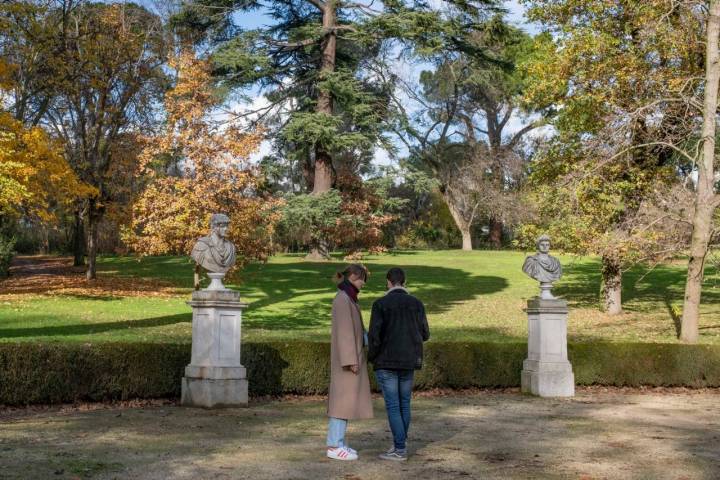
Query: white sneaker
point(341, 453)
point(351, 450)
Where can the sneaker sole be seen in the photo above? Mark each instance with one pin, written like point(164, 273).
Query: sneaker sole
point(347, 459)
point(392, 459)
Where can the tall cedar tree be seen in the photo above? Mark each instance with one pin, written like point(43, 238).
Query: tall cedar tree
point(314, 64)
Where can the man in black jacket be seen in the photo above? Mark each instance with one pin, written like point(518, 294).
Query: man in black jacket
point(398, 328)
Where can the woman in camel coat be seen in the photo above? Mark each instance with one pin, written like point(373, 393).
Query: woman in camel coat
point(349, 393)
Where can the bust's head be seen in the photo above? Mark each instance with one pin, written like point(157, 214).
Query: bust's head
point(219, 224)
point(543, 244)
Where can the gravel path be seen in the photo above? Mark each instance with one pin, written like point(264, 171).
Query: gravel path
point(599, 434)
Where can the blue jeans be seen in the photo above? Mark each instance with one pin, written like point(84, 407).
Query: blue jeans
point(396, 386)
point(336, 432)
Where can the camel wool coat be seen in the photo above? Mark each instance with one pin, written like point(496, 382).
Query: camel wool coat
point(349, 393)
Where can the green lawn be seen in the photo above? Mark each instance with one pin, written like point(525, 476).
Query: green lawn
point(476, 295)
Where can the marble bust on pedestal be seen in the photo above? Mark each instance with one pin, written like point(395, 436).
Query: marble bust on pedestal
point(215, 377)
point(547, 372)
point(214, 252)
point(543, 267)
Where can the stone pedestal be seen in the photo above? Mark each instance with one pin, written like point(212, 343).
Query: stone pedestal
point(215, 377)
point(547, 371)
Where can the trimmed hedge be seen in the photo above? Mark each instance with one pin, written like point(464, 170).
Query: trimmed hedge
point(66, 372)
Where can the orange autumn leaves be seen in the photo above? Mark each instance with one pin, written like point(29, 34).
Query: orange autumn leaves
point(199, 166)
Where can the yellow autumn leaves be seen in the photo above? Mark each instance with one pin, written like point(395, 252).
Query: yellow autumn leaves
point(33, 172)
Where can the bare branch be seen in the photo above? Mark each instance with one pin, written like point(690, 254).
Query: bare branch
point(289, 45)
point(359, 6)
point(635, 147)
point(520, 133)
point(320, 4)
point(348, 28)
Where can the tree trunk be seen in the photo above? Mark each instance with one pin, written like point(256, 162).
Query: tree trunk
point(495, 235)
point(462, 224)
point(323, 160)
point(45, 234)
point(466, 239)
point(323, 177)
point(308, 173)
point(93, 219)
point(78, 239)
point(612, 286)
point(705, 195)
point(319, 253)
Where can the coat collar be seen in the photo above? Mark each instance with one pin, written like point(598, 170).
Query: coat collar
point(353, 302)
point(397, 289)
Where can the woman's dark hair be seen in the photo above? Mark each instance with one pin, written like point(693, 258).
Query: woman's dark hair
point(396, 276)
point(356, 269)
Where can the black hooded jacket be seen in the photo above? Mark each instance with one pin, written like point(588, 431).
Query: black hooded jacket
point(398, 328)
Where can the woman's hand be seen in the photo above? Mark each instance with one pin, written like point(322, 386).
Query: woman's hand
point(353, 368)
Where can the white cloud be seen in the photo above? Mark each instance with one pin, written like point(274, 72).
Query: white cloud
point(265, 149)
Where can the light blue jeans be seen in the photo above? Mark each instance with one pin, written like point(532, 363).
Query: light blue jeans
point(336, 432)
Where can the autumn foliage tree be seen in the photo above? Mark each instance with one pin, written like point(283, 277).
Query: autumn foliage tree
point(199, 166)
point(35, 178)
point(623, 76)
point(108, 79)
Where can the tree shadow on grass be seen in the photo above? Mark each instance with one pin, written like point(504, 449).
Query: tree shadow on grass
point(309, 286)
point(642, 287)
point(644, 290)
point(93, 328)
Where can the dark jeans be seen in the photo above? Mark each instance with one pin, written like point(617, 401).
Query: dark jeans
point(396, 386)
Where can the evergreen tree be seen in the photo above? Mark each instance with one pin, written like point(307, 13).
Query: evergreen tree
point(317, 65)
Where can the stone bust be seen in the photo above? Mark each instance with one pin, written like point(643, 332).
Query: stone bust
point(543, 267)
point(213, 252)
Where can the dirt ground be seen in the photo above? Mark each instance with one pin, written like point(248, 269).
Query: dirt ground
point(599, 434)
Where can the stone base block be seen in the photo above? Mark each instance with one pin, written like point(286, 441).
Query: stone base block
point(213, 393)
point(552, 381)
point(215, 373)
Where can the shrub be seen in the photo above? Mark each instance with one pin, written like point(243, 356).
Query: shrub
point(67, 372)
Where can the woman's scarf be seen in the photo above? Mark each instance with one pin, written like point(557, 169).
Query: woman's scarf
point(350, 289)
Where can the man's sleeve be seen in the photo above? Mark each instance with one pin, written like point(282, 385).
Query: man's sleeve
point(424, 328)
point(374, 332)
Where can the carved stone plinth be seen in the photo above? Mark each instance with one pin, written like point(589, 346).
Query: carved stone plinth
point(547, 371)
point(215, 377)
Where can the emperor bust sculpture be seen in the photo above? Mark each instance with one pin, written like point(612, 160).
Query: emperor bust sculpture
point(214, 253)
point(543, 267)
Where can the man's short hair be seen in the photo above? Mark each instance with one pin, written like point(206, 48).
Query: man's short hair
point(396, 276)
